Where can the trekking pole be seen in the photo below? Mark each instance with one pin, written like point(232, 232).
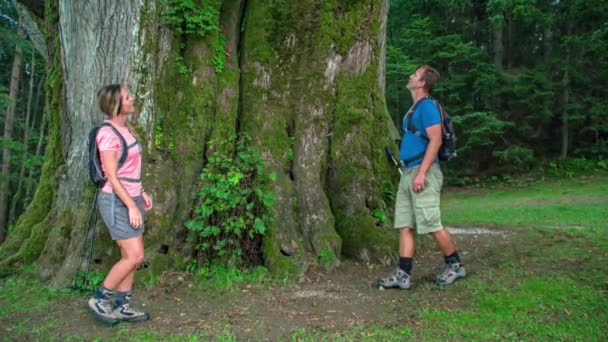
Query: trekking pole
point(84, 241)
point(86, 277)
point(391, 158)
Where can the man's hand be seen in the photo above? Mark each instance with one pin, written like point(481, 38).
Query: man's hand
point(147, 201)
point(418, 182)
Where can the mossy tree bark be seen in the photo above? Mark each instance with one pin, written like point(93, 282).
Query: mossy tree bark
point(303, 78)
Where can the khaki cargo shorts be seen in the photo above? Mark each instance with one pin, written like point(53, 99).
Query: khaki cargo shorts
point(419, 210)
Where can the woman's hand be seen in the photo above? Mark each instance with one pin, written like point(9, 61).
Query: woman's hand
point(147, 200)
point(135, 217)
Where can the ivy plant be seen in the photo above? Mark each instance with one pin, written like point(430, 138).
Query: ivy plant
point(233, 204)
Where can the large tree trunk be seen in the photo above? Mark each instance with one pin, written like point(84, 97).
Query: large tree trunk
point(9, 123)
point(305, 76)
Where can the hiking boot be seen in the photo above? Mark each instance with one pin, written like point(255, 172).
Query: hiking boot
point(102, 309)
point(126, 313)
point(398, 279)
point(450, 273)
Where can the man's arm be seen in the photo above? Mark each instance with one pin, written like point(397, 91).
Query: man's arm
point(434, 134)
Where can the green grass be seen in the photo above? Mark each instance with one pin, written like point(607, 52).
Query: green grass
point(566, 203)
point(373, 332)
point(543, 308)
point(216, 277)
point(27, 295)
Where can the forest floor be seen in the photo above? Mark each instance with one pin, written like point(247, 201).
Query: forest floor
point(536, 257)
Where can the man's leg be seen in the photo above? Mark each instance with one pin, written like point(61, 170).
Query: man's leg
point(404, 221)
point(444, 240)
point(407, 248)
point(453, 268)
point(428, 221)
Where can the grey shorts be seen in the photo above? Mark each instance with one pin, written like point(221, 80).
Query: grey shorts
point(116, 215)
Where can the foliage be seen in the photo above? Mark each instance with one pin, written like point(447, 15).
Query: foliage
point(192, 17)
point(506, 62)
point(94, 281)
point(379, 215)
point(196, 19)
point(388, 191)
point(326, 257)
point(233, 204)
point(219, 60)
point(22, 151)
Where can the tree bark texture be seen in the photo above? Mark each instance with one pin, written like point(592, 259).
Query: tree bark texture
point(304, 79)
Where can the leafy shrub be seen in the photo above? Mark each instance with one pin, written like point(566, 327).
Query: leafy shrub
point(233, 204)
point(570, 167)
point(192, 17)
point(519, 156)
point(198, 19)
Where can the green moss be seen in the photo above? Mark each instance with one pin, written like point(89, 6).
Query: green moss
point(279, 265)
point(343, 23)
point(159, 264)
point(359, 232)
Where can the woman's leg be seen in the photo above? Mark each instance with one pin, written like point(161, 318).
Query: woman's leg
point(120, 277)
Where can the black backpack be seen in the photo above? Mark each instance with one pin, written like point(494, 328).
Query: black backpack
point(95, 170)
point(448, 144)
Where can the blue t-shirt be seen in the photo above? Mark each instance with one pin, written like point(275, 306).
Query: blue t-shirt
point(427, 114)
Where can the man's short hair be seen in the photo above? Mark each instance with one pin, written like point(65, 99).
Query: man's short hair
point(431, 77)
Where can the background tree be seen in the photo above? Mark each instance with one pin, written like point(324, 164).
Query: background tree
point(20, 52)
point(509, 70)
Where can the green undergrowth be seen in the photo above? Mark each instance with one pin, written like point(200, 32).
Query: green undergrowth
point(218, 277)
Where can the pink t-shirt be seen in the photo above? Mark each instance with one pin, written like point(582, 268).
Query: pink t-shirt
point(107, 140)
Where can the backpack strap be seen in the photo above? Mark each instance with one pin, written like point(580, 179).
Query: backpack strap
point(124, 153)
point(411, 128)
point(123, 144)
point(409, 117)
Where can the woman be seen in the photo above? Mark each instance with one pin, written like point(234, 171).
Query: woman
point(122, 203)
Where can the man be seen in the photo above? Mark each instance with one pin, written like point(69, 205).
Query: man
point(417, 203)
